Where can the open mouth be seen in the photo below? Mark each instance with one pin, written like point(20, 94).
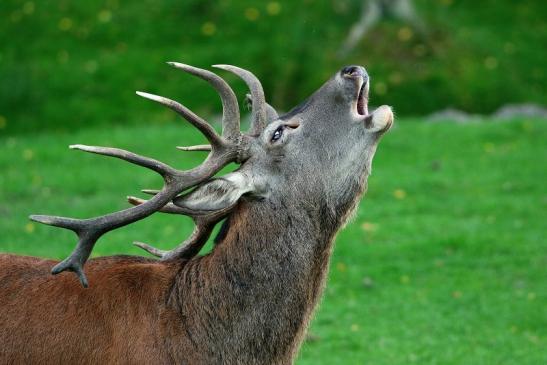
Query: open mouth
point(362, 99)
point(358, 75)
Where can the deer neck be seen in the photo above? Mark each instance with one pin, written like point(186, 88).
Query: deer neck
point(263, 278)
point(276, 246)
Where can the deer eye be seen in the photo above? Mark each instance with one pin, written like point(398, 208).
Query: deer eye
point(277, 134)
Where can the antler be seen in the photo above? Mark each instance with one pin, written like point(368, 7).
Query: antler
point(259, 117)
point(262, 113)
point(193, 244)
point(231, 146)
point(271, 113)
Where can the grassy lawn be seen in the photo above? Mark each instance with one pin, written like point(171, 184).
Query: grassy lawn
point(445, 262)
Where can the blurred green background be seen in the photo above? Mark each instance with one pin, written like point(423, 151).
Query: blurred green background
point(70, 64)
point(445, 262)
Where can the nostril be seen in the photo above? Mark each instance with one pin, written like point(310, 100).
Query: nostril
point(355, 71)
point(352, 71)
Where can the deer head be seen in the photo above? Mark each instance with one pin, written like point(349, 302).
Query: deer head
point(316, 157)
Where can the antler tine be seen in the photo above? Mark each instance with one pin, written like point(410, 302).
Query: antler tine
point(271, 113)
point(189, 247)
point(168, 208)
point(203, 126)
point(259, 101)
point(150, 249)
point(155, 165)
point(186, 249)
point(201, 147)
point(230, 106)
point(150, 191)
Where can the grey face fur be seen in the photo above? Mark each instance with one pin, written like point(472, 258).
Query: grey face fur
point(321, 150)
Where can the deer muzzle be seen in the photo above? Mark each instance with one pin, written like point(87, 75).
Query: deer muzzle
point(360, 76)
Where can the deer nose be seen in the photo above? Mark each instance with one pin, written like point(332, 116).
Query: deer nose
point(355, 71)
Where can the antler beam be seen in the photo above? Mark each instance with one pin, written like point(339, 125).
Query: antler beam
point(231, 146)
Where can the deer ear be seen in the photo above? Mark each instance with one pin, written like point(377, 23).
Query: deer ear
point(217, 194)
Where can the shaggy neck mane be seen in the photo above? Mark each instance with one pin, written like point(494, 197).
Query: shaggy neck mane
point(262, 276)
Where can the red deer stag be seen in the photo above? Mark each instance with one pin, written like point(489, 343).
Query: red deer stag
point(250, 300)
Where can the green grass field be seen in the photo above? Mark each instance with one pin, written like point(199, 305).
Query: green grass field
point(445, 262)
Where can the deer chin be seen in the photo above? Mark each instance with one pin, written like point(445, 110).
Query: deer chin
point(380, 120)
